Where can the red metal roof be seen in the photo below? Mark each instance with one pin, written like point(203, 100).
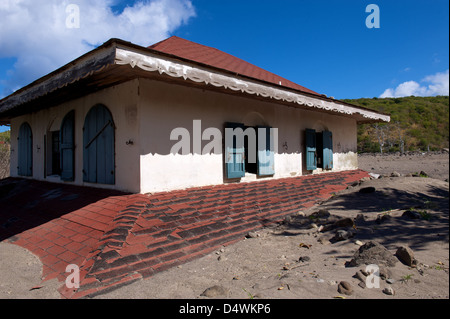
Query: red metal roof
point(213, 57)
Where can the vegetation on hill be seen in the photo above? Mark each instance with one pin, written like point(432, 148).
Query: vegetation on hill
point(417, 124)
point(5, 139)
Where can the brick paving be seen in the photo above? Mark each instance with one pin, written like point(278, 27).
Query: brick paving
point(117, 238)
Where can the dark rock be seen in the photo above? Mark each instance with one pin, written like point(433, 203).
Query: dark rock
point(345, 288)
point(345, 222)
point(406, 256)
point(359, 275)
point(342, 234)
point(323, 213)
point(334, 222)
point(412, 214)
point(304, 259)
point(389, 291)
point(372, 253)
point(383, 218)
point(360, 218)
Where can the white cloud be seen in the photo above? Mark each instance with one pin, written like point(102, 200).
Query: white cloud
point(437, 84)
point(35, 32)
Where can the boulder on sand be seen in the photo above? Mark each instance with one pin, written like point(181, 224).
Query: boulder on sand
point(372, 252)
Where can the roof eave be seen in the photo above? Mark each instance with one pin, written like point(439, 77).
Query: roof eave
point(119, 52)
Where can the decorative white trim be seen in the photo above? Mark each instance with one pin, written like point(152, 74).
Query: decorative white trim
point(201, 75)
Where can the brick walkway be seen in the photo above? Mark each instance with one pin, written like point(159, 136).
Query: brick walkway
point(118, 238)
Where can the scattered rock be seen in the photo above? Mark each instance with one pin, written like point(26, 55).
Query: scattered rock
point(215, 291)
point(374, 176)
point(367, 190)
point(342, 234)
point(313, 226)
point(344, 222)
point(354, 184)
point(364, 272)
point(333, 223)
point(323, 213)
point(390, 281)
point(252, 234)
point(412, 214)
point(332, 282)
point(372, 253)
point(406, 256)
point(383, 218)
point(359, 275)
point(359, 243)
point(360, 218)
point(345, 288)
point(385, 273)
point(395, 174)
point(389, 291)
point(304, 259)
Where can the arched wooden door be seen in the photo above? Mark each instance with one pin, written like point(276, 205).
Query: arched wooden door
point(98, 146)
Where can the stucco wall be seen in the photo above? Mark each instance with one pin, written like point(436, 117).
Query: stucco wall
point(122, 101)
point(146, 111)
point(164, 107)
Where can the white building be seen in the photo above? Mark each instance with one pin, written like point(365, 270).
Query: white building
point(109, 119)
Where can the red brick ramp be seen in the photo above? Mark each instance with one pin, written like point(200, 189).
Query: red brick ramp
point(157, 232)
point(147, 234)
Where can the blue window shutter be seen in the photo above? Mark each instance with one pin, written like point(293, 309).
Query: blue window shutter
point(327, 150)
point(99, 146)
point(311, 157)
point(90, 148)
point(25, 156)
point(265, 159)
point(234, 156)
point(67, 141)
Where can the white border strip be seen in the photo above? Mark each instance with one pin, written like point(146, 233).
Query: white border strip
point(199, 75)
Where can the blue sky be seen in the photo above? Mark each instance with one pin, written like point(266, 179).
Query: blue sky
point(323, 45)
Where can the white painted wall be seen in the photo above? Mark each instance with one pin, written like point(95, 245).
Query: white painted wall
point(164, 107)
point(146, 111)
point(122, 101)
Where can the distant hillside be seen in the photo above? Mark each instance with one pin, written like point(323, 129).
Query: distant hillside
point(5, 138)
point(417, 123)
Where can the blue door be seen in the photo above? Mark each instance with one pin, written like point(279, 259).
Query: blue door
point(25, 140)
point(311, 154)
point(67, 144)
point(98, 146)
point(266, 165)
point(234, 153)
point(327, 150)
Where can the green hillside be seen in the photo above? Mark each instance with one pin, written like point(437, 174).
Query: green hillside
point(5, 136)
point(417, 123)
point(4, 154)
